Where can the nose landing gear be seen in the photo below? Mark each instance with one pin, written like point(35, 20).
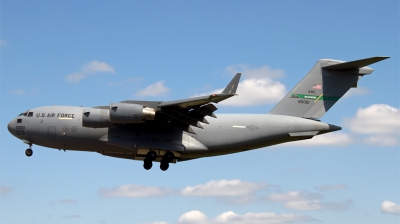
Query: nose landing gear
point(29, 151)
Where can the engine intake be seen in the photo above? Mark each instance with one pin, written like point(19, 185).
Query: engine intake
point(130, 113)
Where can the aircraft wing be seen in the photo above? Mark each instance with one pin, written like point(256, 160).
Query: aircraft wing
point(188, 112)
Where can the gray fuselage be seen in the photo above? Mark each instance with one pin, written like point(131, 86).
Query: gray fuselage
point(60, 127)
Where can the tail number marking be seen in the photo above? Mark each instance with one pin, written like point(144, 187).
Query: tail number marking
point(303, 101)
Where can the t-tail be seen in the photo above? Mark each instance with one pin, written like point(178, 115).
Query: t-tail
point(323, 86)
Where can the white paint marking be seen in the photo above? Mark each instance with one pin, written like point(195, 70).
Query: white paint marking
point(64, 118)
point(235, 126)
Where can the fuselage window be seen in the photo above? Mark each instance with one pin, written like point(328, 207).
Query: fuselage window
point(19, 120)
point(30, 114)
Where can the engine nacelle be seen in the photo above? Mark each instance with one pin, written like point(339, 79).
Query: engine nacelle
point(96, 118)
point(130, 113)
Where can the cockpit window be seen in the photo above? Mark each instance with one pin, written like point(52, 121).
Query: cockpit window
point(30, 114)
point(26, 113)
point(20, 114)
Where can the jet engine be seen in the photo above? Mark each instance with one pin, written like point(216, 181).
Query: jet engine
point(126, 113)
point(96, 118)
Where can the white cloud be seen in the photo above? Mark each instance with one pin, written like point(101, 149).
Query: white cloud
point(17, 91)
point(257, 86)
point(329, 139)
point(92, 67)
point(134, 191)
point(390, 207)
point(375, 119)
point(254, 91)
point(252, 72)
point(6, 190)
point(156, 89)
point(293, 196)
point(381, 140)
point(197, 217)
point(304, 205)
point(227, 188)
point(331, 187)
point(359, 91)
point(317, 205)
point(193, 217)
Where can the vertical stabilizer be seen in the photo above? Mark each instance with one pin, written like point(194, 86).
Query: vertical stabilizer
point(323, 86)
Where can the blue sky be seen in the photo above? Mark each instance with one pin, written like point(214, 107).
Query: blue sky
point(97, 52)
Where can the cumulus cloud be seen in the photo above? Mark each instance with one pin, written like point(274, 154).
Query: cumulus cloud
point(390, 207)
point(375, 119)
point(6, 190)
point(381, 140)
point(303, 200)
point(156, 89)
point(193, 217)
point(293, 196)
point(359, 91)
point(329, 139)
point(134, 191)
point(317, 205)
point(227, 188)
point(257, 86)
point(254, 72)
point(197, 217)
point(93, 67)
point(331, 187)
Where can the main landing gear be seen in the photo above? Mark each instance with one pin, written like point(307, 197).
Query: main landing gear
point(29, 151)
point(164, 164)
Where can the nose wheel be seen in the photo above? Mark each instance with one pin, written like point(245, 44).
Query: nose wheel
point(28, 152)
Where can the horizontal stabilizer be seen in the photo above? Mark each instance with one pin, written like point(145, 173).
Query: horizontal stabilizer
point(354, 64)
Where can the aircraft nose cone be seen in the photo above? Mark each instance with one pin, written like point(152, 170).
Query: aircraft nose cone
point(10, 127)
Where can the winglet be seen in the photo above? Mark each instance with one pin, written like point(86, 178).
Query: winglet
point(232, 86)
point(354, 64)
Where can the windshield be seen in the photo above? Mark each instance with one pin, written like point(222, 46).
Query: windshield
point(25, 114)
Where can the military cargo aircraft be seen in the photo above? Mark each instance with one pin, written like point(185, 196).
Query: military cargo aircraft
point(180, 130)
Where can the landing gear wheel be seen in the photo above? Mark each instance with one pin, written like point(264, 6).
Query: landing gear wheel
point(151, 155)
point(28, 152)
point(147, 164)
point(164, 166)
point(169, 156)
